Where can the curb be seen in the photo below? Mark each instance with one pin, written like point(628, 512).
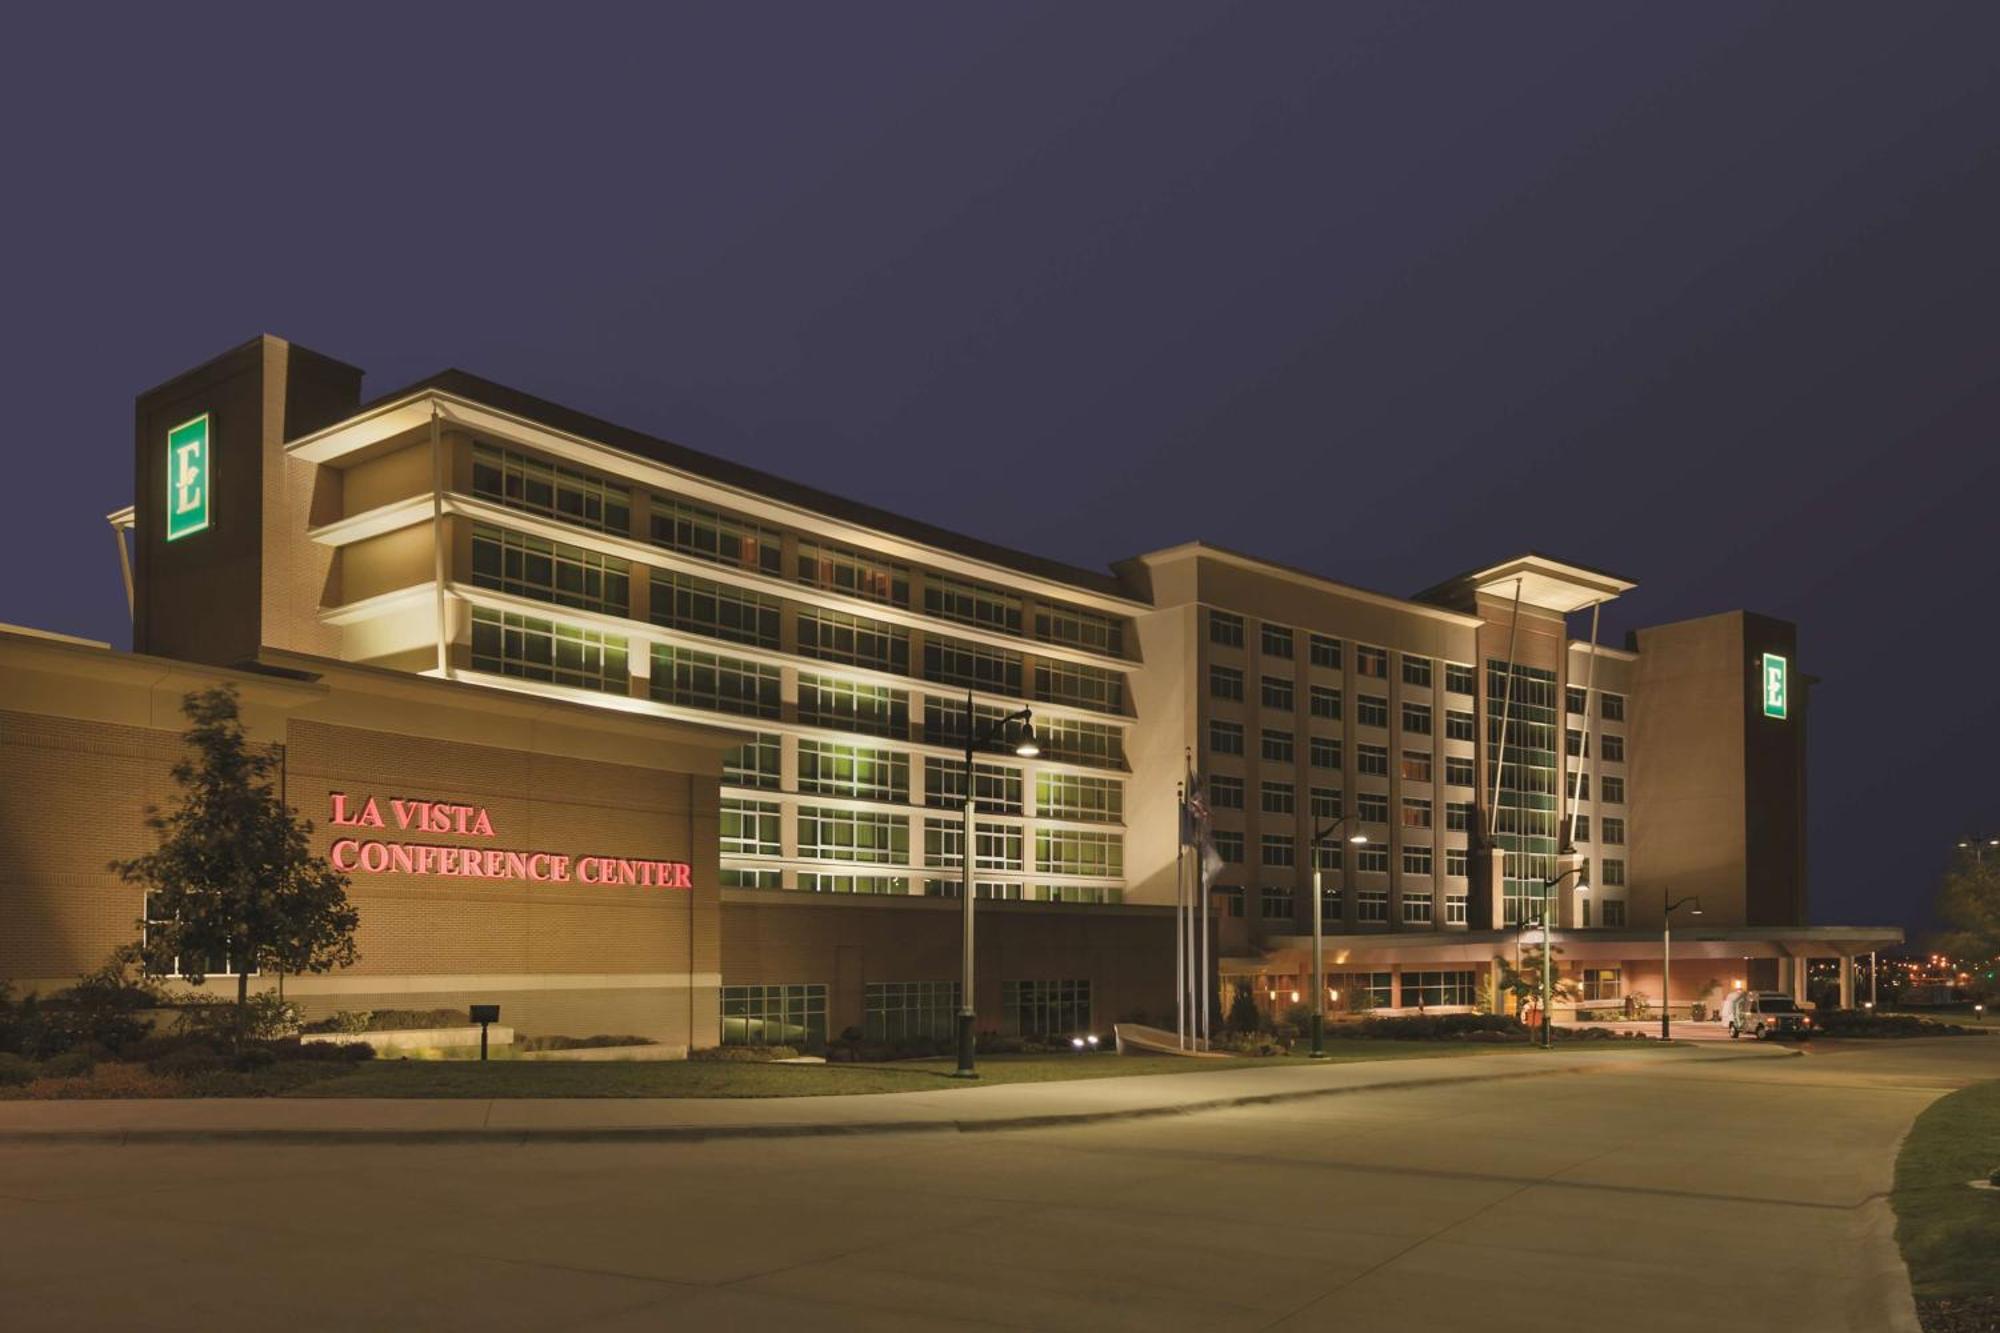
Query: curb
point(703, 1133)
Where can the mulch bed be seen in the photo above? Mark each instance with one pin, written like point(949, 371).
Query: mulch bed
point(1960, 1314)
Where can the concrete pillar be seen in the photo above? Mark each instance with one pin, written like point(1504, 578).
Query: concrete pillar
point(1874, 969)
point(1800, 966)
point(1847, 981)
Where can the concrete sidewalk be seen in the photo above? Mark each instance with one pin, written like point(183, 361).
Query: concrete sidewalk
point(955, 1109)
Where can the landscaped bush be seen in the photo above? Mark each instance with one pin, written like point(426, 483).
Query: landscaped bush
point(193, 1058)
point(1867, 1023)
point(16, 1071)
point(1248, 1043)
point(743, 1054)
point(69, 1064)
point(1428, 1027)
point(579, 1043)
point(390, 1020)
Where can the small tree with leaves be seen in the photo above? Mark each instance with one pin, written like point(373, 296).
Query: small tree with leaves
point(233, 882)
point(1523, 984)
point(1968, 907)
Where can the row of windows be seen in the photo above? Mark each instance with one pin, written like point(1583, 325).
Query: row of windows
point(1611, 831)
point(794, 1014)
point(1611, 707)
point(1226, 629)
point(755, 828)
point(548, 571)
point(1611, 750)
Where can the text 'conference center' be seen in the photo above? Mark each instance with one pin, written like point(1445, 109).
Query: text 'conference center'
point(730, 710)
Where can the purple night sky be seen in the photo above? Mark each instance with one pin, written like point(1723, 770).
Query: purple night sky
point(1705, 295)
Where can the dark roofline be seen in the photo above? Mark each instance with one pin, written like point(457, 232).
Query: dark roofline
point(502, 398)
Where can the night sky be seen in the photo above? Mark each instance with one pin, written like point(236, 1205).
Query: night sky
point(1705, 295)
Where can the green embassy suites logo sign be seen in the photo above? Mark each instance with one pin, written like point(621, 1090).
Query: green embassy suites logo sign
point(1777, 686)
point(187, 478)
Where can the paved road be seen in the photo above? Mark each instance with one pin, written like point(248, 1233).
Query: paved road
point(1657, 1194)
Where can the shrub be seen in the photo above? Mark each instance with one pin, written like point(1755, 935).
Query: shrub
point(187, 1060)
point(1867, 1023)
point(16, 1072)
point(992, 1043)
point(1428, 1027)
point(743, 1054)
point(580, 1043)
point(1243, 1015)
point(70, 1064)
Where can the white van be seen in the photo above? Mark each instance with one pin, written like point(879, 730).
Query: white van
point(1765, 1014)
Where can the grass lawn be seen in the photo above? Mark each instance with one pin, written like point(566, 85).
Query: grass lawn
point(702, 1078)
point(1950, 1233)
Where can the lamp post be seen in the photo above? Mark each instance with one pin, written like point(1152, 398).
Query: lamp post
point(1977, 846)
point(1667, 910)
point(1580, 869)
point(975, 737)
point(1319, 935)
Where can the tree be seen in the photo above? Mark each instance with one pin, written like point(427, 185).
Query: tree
point(233, 882)
point(1243, 1015)
point(1968, 908)
point(1523, 984)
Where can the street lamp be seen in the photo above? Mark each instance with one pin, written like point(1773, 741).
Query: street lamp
point(1667, 910)
point(1580, 869)
point(1319, 934)
point(976, 737)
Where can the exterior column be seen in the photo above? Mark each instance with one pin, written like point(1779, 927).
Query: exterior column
point(1847, 981)
point(1801, 964)
point(1874, 967)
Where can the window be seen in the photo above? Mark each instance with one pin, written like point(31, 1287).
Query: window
point(1580, 828)
point(1460, 679)
point(1614, 912)
point(1232, 895)
point(1371, 662)
point(1377, 987)
point(1372, 711)
point(1457, 862)
point(1371, 807)
point(1080, 686)
point(1094, 800)
point(1225, 683)
point(1573, 699)
point(996, 788)
point(547, 650)
point(683, 602)
point(755, 763)
point(1614, 832)
point(750, 828)
point(707, 535)
point(827, 881)
point(1274, 903)
point(548, 571)
point(1323, 753)
point(853, 835)
point(1225, 737)
point(1325, 652)
point(1416, 813)
point(1225, 629)
point(1601, 983)
point(1077, 628)
point(1372, 857)
point(1416, 766)
point(689, 678)
point(1325, 703)
point(1612, 707)
point(1579, 785)
point(1278, 850)
point(1225, 793)
point(520, 482)
point(1612, 871)
point(1458, 770)
point(909, 1010)
point(1614, 749)
point(219, 965)
point(1278, 799)
point(1416, 671)
point(1074, 852)
point(1325, 803)
point(1458, 816)
point(832, 768)
point(1460, 725)
point(1372, 759)
point(1275, 640)
point(995, 846)
point(1277, 746)
point(1614, 791)
point(1428, 990)
point(1573, 741)
point(991, 890)
point(845, 705)
point(835, 636)
point(746, 877)
point(1372, 904)
point(1417, 907)
point(1417, 861)
point(1277, 693)
point(1330, 898)
point(1417, 719)
point(973, 666)
point(838, 569)
point(1067, 741)
point(1044, 1008)
point(972, 604)
point(1454, 909)
point(774, 1015)
point(1229, 846)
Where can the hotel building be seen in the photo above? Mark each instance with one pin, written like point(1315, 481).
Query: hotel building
point(805, 665)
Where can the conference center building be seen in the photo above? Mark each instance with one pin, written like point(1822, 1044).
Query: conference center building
point(629, 738)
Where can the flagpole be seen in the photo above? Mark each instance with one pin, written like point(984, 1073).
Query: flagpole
point(1202, 992)
point(1180, 917)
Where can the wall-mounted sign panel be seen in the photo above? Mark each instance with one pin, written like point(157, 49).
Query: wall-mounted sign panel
point(187, 478)
point(1777, 686)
